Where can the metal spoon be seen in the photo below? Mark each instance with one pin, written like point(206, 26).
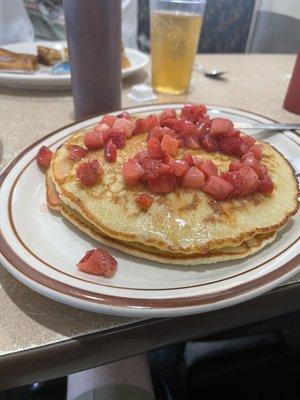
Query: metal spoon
point(210, 74)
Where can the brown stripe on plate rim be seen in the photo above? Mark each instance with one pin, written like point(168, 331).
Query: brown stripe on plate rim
point(126, 302)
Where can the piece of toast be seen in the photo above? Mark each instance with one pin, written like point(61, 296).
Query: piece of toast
point(17, 61)
point(48, 56)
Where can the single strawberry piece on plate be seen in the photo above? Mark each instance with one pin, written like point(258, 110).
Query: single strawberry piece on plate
point(208, 168)
point(179, 167)
point(144, 125)
point(89, 172)
point(110, 152)
point(189, 159)
point(170, 113)
point(209, 144)
point(235, 166)
point(144, 201)
point(44, 157)
point(108, 120)
point(218, 188)
point(96, 138)
point(197, 162)
point(170, 145)
point(191, 142)
point(98, 262)
point(76, 153)
point(220, 127)
point(249, 160)
point(126, 125)
point(154, 148)
point(193, 178)
point(118, 137)
point(193, 112)
point(256, 150)
point(251, 179)
point(229, 146)
point(162, 184)
point(265, 185)
point(236, 180)
point(125, 115)
point(132, 172)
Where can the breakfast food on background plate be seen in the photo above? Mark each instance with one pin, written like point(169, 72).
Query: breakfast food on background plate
point(178, 187)
point(45, 55)
point(17, 61)
point(49, 56)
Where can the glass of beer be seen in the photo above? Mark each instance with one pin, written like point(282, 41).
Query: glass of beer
point(175, 30)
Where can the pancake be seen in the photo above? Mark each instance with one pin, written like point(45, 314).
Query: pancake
point(186, 221)
point(245, 249)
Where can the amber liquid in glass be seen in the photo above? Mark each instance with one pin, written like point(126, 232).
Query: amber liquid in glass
point(174, 40)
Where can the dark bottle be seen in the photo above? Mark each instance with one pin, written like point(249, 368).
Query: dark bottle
point(94, 42)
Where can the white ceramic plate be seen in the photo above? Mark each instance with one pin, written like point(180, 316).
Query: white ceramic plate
point(43, 79)
point(41, 249)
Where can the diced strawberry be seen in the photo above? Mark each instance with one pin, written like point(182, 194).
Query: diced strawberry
point(256, 151)
point(108, 120)
point(189, 159)
point(193, 112)
point(132, 172)
point(144, 125)
point(144, 201)
point(235, 133)
point(118, 137)
point(110, 152)
point(154, 148)
point(236, 180)
point(218, 188)
point(250, 141)
point(166, 158)
point(98, 262)
point(126, 125)
point(179, 167)
point(235, 166)
point(197, 162)
point(249, 160)
point(170, 113)
point(209, 143)
point(193, 178)
point(76, 153)
point(170, 145)
point(185, 128)
point(265, 185)
point(209, 168)
point(162, 184)
point(191, 142)
point(125, 115)
point(251, 179)
point(220, 127)
point(89, 172)
point(44, 157)
point(229, 145)
point(158, 132)
point(94, 140)
point(152, 168)
point(169, 123)
point(246, 143)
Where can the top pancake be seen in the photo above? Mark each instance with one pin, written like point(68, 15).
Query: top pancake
point(185, 221)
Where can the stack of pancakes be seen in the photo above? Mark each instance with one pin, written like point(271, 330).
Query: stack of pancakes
point(183, 227)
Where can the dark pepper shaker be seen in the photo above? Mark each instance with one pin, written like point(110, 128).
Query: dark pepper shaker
point(94, 43)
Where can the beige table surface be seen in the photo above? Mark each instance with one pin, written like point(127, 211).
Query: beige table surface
point(255, 83)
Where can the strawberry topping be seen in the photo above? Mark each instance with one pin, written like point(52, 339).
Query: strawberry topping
point(76, 153)
point(144, 201)
point(89, 172)
point(44, 157)
point(98, 262)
